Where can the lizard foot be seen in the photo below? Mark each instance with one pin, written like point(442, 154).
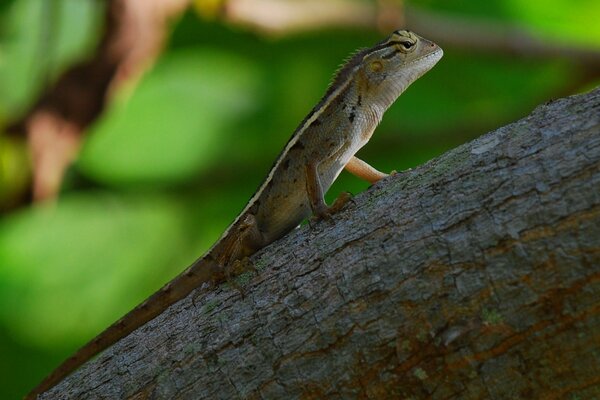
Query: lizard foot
point(243, 265)
point(340, 202)
point(235, 277)
point(394, 172)
point(327, 212)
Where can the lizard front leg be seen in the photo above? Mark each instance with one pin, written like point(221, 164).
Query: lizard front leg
point(316, 195)
point(361, 169)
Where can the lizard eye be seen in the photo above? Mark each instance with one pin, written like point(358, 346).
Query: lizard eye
point(407, 45)
point(376, 66)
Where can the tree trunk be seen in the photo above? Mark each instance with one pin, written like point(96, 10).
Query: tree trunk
point(474, 276)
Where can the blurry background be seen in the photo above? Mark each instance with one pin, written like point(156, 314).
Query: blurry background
point(133, 131)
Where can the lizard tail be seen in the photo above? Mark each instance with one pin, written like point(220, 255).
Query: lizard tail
point(204, 270)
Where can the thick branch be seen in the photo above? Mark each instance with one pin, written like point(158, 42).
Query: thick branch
point(476, 275)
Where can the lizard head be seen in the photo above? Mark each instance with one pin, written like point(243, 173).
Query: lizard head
point(390, 66)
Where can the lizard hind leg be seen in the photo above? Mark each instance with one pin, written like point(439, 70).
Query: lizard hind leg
point(362, 170)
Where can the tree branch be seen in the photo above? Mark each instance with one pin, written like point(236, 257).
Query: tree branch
point(476, 275)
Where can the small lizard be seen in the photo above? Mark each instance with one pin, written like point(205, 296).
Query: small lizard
point(321, 147)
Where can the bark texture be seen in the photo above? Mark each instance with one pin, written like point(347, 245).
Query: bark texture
point(474, 276)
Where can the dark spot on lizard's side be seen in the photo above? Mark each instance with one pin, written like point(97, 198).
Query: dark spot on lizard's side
point(286, 164)
point(297, 146)
point(267, 187)
point(295, 180)
point(254, 208)
point(359, 101)
point(316, 122)
point(351, 117)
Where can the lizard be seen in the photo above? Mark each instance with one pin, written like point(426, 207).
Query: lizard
point(324, 144)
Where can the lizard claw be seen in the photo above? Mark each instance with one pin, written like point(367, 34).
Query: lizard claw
point(394, 172)
point(340, 202)
point(345, 197)
point(322, 213)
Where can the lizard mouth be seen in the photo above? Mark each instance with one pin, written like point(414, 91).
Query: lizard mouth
point(436, 54)
point(429, 59)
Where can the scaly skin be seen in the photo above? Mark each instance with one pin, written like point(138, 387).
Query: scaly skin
point(324, 144)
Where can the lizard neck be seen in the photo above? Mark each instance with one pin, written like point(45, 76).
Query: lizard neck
point(380, 98)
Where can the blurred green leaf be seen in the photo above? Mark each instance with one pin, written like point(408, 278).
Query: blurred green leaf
point(82, 257)
point(473, 91)
point(566, 21)
point(174, 123)
point(14, 169)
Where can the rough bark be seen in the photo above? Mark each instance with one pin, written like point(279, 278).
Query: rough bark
point(474, 276)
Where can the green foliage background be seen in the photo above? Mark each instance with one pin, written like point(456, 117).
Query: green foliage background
point(172, 162)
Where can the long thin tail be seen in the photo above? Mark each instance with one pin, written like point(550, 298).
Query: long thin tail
point(202, 271)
